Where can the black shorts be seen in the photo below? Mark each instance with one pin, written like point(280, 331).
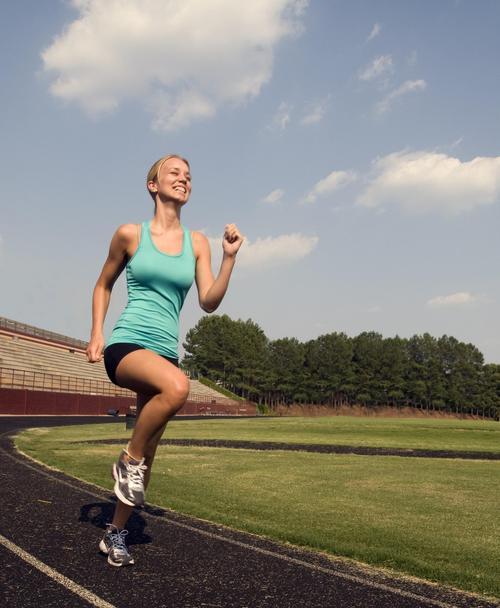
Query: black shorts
point(114, 353)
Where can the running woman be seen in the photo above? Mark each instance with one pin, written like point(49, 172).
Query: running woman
point(162, 258)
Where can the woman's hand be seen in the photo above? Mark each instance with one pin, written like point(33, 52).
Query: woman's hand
point(95, 348)
point(231, 240)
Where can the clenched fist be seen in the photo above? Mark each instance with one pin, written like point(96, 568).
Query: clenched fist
point(95, 348)
point(231, 240)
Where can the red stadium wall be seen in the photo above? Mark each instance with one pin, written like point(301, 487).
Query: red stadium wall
point(21, 402)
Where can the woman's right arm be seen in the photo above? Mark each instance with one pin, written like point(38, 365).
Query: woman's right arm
point(113, 267)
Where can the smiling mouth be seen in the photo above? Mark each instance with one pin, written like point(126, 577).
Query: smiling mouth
point(180, 189)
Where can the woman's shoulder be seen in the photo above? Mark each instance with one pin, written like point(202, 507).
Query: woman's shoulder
point(200, 241)
point(197, 234)
point(127, 232)
point(198, 237)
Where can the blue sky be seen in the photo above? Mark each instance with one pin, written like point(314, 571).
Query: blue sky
point(354, 143)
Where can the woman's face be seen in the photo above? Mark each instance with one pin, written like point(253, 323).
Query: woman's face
point(174, 180)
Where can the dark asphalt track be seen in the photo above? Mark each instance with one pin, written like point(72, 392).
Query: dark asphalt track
point(320, 448)
point(180, 561)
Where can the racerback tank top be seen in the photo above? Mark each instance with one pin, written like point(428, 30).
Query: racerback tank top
point(157, 285)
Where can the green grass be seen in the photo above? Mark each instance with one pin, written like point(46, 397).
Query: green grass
point(432, 434)
point(432, 518)
point(437, 434)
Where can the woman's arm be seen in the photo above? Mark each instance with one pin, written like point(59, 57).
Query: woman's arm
point(210, 290)
point(113, 267)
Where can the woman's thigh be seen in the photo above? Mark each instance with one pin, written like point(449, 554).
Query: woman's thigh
point(145, 372)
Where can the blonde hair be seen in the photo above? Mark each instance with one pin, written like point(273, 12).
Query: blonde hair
point(154, 172)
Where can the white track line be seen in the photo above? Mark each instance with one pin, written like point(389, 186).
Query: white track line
point(66, 582)
point(350, 577)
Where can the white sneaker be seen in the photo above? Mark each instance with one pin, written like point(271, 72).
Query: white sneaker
point(129, 480)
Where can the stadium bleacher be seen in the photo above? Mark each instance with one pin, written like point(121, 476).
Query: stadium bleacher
point(37, 360)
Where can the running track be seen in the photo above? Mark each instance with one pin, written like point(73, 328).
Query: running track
point(50, 526)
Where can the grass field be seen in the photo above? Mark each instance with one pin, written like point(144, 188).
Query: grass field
point(432, 518)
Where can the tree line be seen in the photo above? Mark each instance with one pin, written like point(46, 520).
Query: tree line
point(334, 369)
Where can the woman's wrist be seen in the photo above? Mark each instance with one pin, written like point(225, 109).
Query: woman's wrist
point(229, 256)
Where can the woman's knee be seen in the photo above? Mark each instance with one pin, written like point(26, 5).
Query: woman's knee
point(177, 391)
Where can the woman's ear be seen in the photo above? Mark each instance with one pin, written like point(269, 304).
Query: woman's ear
point(152, 186)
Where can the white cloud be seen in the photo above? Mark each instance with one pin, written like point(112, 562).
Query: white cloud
point(268, 251)
point(409, 86)
point(181, 59)
point(427, 182)
point(274, 196)
point(170, 113)
point(377, 68)
point(453, 300)
point(375, 32)
point(316, 112)
point(332, 182)
point(299, 7)
point(282, 117)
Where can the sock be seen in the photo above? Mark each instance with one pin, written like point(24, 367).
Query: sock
point(136, 460)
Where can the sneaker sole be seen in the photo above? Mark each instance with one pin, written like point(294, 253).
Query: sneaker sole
point(118, 492)
point(103, 548)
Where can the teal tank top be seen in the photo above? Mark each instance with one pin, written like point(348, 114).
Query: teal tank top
point(157, 285)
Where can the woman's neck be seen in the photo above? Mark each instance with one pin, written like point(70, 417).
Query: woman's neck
point(166, 218)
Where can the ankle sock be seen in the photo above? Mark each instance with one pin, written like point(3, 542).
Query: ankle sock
point(136, 460)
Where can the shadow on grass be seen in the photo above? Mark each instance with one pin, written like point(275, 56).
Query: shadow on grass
point(315, 447)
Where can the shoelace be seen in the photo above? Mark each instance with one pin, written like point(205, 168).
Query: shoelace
point(136, 475)
point(118, 541)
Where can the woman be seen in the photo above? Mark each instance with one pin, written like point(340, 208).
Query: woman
point(162, 258)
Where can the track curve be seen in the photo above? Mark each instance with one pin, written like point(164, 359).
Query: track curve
point(181, 562)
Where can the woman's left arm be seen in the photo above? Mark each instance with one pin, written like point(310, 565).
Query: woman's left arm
point(210, 290)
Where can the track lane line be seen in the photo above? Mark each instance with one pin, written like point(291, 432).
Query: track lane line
point(66, 582)
point(100, 494)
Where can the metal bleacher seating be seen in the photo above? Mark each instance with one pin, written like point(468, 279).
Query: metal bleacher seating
point(38, 359)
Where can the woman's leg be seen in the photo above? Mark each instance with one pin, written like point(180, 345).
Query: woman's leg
point(123, 511)
point(144, 371)
point(162, 389)
point(113, 543)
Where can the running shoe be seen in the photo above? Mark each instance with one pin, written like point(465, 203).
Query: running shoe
point(113, 545)
point(129, 480)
